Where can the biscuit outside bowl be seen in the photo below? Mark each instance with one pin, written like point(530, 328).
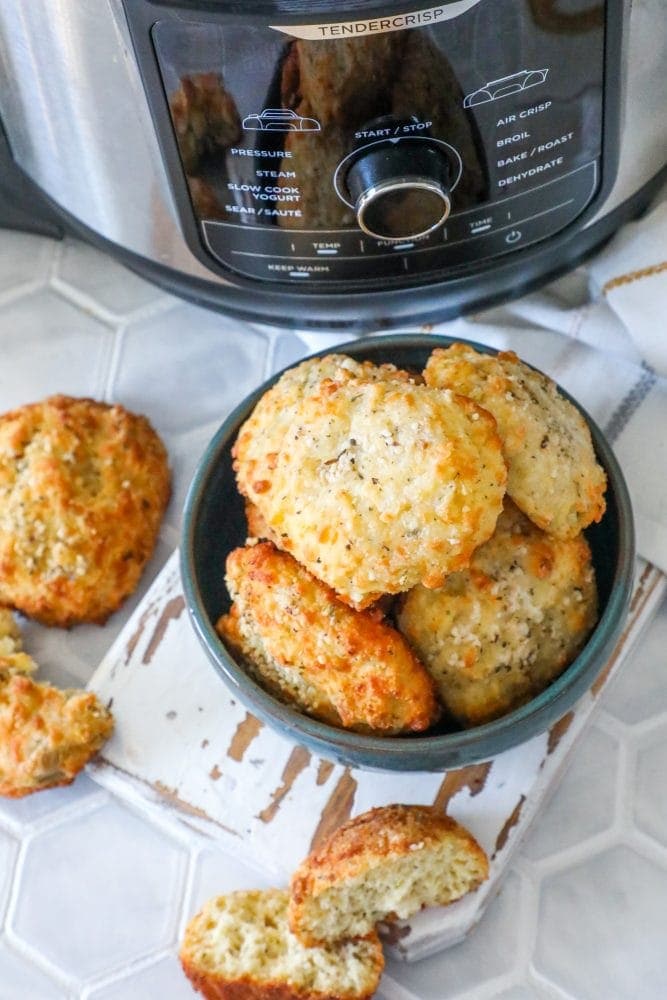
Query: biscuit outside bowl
point(214, 524)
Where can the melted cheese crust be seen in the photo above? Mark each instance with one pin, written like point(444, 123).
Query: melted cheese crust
point(380, 485)
point(342, 666)
point(497, 633)
point(553, 474)
point(83, 487)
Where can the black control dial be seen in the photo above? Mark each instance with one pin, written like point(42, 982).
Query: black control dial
point(400, 189)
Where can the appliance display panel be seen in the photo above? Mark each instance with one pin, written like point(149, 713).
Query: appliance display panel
point(351, 150)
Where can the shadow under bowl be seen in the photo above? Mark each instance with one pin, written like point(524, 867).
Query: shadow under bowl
point(214, 524)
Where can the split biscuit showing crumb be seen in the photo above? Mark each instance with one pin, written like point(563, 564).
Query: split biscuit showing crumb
point(83, 487)
point(261, 437)
point(240, 947)
point(341, 666)
point(499, 632)
point(387, 863)
point(46, 735)
point(380, 485)
point(553, 474)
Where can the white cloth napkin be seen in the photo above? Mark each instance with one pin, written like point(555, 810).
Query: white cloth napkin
point(601, 332)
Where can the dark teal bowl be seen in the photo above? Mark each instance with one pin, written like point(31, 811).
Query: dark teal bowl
point(214, 524)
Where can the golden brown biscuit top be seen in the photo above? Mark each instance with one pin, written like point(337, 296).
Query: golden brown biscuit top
point(380, 834)
point(363, 665)
point(553, 474)
point(46, 735)
point(83, 486)
point(500, 631)
point(261, 437)
point(380, 485)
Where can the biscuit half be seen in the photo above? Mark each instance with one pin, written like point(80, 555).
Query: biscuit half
point(46, 735)
point(240, 947)
point(386, 863)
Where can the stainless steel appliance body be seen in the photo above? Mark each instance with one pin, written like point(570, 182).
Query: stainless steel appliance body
point(331, 165)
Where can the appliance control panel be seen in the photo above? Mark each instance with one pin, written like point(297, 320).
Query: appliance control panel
point(394, 147)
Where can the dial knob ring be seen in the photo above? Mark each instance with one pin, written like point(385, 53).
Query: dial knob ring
point(374, 197)
point(341, 172)
point(401, 190)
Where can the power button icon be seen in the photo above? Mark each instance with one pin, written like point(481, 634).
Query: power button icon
point(513, 236)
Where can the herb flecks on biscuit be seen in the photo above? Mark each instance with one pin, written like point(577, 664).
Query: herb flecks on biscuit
point(497, 633)
point(377, 485)
point(83, 488)
point(386, 863)
point(342, 666)
point(261, 437)
point(553, 474)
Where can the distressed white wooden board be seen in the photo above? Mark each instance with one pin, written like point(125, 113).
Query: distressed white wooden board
point(185, 744)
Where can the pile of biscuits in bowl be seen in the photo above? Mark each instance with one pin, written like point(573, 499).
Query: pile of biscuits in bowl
point(412, 562)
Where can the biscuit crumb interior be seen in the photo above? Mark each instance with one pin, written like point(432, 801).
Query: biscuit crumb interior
point(245, 935)
point(432, 875)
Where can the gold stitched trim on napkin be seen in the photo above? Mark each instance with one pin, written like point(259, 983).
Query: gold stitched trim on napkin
point(626, 279)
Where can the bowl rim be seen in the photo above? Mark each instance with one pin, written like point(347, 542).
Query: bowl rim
point(427, 752)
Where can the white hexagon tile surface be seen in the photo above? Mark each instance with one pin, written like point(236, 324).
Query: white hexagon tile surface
point(94, 895)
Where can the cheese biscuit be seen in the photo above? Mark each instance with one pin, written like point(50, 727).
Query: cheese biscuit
point(386, 863)
point(553, 474)
point(378, 486)
point(497, 633)
point(83, 487)
point(261, 437)
point(240, 947)
point(342, 666)
point(46, 735)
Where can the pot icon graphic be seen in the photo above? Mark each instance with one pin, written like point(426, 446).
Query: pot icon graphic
point(506, 85)
point(279, 120)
